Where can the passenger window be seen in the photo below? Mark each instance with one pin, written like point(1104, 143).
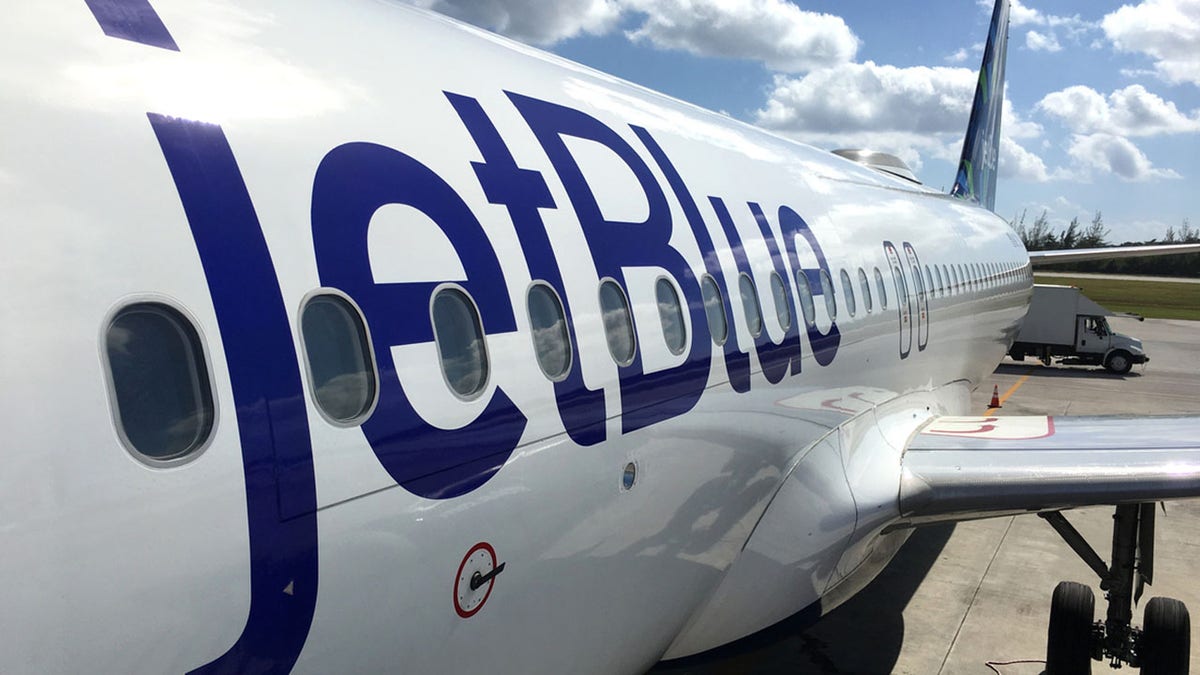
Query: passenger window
point(341, 368)
point(618, 324)
point(866, 289)
point(928, 280)
point(459, 336)
point(941, 288)
point(946, 277)
point(804, 291)
point(714, 309)
point(882, 288)
point(783, 304)
point(161, 392)
point(827, 291)
point(551, 339)
point(848, 293)
point(918, 282)
point(750, 305)
point(671, 314)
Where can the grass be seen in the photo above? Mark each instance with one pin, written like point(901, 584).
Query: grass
point(1151, 299)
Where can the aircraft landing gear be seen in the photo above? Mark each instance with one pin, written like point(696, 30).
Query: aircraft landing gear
point(1161, 647)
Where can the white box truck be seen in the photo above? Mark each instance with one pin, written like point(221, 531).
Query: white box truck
point(1064, 324)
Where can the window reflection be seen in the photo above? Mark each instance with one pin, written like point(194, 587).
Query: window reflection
point(339, 358)
point(827, 291)
point(882, 288)
point(459, 337)
point(804, 291)
point(848, 293)
point(164, 405)
point(750, 305)
point(618, 325)
point(783, 304)
point(671, 314)
point(714, 309)
point(551, 340)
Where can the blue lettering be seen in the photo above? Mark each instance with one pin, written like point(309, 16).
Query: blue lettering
point(824, 345)
point(523, 192)
point(352, 182)
point(773, 358)
point(281, 493)
point(737, 362)
point(646, 398)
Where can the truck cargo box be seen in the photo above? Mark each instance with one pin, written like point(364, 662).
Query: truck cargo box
point(1052, 312)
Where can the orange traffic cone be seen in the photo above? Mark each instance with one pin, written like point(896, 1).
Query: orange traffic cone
point(995, 396)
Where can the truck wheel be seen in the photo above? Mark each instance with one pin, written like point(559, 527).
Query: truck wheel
point(1119, 362)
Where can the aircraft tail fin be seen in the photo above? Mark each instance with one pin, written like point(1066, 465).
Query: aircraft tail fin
point(977, 169)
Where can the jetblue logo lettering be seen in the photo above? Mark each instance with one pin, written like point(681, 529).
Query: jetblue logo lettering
point(356, 179)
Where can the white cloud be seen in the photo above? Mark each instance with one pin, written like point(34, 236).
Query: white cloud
point(1061, 202)
point(915, 113)
point(1166, 30)
point(864, 97)
point(959, 56)
point(1018, 163)
point(1106, 153)
point(967, 54)
point(1021, 15)
point(867, 96)
point(775, 32)
point(1037, 42)
point(1072, 27)
point(533, 21)
point(1132, 111)
point(778, 33)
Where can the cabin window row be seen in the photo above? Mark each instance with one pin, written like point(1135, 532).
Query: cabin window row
point(161, 392)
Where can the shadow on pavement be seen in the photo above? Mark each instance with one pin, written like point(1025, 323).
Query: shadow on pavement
point(1082, 372)
point(864, 635)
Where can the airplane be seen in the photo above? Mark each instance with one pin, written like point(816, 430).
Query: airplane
point(365, 340)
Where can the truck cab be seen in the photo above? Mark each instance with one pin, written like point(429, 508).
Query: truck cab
point(1092, 335)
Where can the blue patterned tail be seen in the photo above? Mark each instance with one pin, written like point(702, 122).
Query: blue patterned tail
point(976, 178)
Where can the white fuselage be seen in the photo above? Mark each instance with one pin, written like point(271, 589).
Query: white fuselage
point(761, 487)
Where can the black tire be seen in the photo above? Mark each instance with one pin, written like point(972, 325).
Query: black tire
point(1069, 639)
point(1119, 362)
point(1166, 638)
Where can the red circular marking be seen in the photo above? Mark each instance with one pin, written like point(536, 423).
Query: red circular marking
point(483, 545)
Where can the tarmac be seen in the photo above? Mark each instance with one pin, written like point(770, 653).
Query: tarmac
point(974, 598)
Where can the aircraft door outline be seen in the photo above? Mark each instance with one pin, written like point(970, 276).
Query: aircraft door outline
point(922, 294)
point(903, 304)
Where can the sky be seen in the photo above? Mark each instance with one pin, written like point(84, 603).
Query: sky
point(1103, 98)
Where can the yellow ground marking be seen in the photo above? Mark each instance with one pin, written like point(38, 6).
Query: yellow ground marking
point(1011, 390)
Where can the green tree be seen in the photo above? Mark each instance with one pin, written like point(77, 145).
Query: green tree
point(1096, 235)
point(1070, 236)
